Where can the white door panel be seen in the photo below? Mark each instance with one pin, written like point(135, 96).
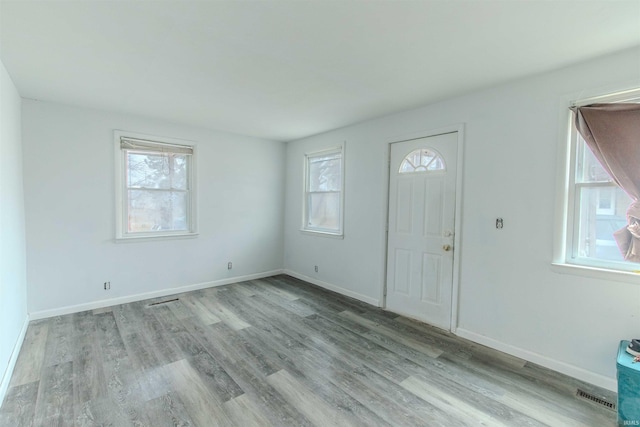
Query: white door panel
point(421, 228)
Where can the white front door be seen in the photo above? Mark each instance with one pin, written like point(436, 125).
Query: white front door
point(422, 196)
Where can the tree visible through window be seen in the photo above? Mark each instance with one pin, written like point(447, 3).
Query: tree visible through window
point(323, 192)
point(156, 189)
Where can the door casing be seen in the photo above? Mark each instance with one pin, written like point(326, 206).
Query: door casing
point(459, 128)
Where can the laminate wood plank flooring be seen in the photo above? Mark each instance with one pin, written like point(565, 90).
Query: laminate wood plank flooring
point(276, 352)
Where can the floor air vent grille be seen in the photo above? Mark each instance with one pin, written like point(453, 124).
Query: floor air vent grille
point(595, 399)
point(162, 302)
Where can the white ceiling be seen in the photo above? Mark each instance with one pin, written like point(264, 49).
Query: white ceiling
point(287, 69)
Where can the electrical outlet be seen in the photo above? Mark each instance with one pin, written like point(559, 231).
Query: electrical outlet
point(316, 268)
point(107, 286)
point(229, 265)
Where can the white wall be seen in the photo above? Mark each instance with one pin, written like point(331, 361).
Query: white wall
point(510, 298)
point(70, 214)
point(13, 284)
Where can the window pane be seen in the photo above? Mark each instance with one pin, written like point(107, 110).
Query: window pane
point(602, 211)
point(589, 168)
point(157, 211)
point(436, 164)
point(157, 170)
point(324, 210)
point(325, 174)
point(421, 160)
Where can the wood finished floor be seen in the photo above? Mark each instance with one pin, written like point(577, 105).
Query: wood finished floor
point(275, 352)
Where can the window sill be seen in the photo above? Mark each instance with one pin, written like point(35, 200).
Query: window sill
point(596, 272)
point(322, 234)
point(151, 238)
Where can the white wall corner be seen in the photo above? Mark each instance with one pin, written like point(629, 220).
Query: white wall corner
point(334, 288)
point(553, 364)
point(6, 375)
point(147, 295)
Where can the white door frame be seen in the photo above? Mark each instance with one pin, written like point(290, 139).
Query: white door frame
point(457, 238)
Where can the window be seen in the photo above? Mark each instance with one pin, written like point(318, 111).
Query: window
point(324, 185)
point(596, 205)
point(422, 160)
point(155, 187)
point(606, 201)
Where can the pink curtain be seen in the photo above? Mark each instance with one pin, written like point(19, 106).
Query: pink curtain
point(612, 132)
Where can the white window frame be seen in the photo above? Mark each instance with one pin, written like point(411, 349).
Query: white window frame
point(121, 203)
point(305, 198)
point(566, 254)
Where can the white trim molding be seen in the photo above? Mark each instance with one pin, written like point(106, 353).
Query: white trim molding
point(153, 144)
point(306, 228)
point(334, 288)
point(567, 220)
point(6, 376)
point(459, 128)
point(43, 314)
point(530, 356)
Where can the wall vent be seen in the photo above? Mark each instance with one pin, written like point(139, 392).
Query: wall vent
point(162, 302)
point(595, 399)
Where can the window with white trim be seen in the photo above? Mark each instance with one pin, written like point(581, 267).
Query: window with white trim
point(596, 206)
point(155, 187)
point(422, 160)
point(324, 192)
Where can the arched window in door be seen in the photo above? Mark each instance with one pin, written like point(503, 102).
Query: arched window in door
point(422, 160)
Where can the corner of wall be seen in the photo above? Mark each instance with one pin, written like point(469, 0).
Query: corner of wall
point(8, 372)
point(334, 288)
point(14, 319)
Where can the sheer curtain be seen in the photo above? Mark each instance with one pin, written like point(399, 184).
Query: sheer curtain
point(612, 132)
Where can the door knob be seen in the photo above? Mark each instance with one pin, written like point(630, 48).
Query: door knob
point(447, 248)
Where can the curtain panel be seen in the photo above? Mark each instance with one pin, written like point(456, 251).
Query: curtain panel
point(612, 132)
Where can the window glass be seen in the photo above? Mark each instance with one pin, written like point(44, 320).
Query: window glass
point(157, 170)
point(589, 168)
point(596, 206)
point(156, 188)
point(325, 174)
point(602, 211)
point(156, 211)
point(422, 160)
point(324, 211)
point(324, 192)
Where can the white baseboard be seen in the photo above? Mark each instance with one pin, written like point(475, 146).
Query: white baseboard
point(553, 364)
point(6, 376)
point(43, 314)
point(334, 288)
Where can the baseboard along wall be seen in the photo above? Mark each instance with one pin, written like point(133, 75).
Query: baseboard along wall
point(556, 365)
point(43, 314)
point(6, 375)
point(553, 364)
point(334, 288)
point(547, 362)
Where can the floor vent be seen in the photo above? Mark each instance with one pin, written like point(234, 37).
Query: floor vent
point(595, 399)
point(163, 302)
